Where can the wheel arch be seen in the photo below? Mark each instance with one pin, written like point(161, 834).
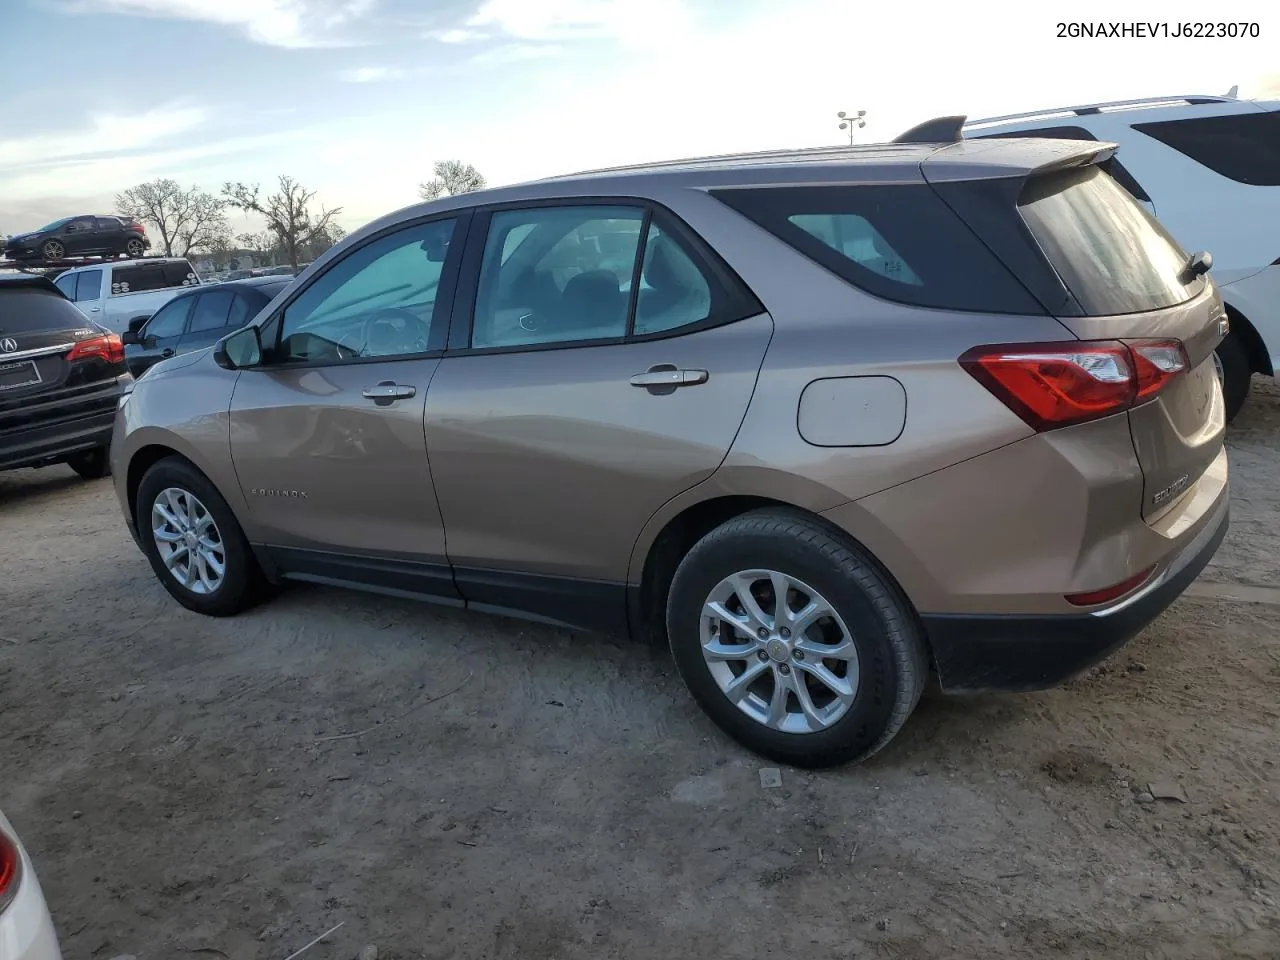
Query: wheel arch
point(654, 564)
point(1251, 340)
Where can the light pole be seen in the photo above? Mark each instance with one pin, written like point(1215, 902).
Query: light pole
point(850, 122)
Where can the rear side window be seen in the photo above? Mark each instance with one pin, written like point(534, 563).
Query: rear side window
point(899, 242)
point(142, 277)
point(26, 310)
point(1241, 147)
point(1111, 254)
point(241, 312)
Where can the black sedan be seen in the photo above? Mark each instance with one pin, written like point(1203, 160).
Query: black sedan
point(61, 379)
point(80, 237)
point(197, 318)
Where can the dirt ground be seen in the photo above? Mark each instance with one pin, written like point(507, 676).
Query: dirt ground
point(524, 792)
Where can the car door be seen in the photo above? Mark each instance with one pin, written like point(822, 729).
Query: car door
point(159, 336)
point(108, 235)
point(85, 288)
point(208, 321)
point(78, 235)
point(327, 433)
point(567, 410)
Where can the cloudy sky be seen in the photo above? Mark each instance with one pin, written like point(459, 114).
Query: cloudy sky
point(357, 98)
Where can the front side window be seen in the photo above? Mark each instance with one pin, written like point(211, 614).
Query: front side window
point(1111, 254)
point(1244, 147)
point(379, 301)
point(170, 320)
point(566, 279)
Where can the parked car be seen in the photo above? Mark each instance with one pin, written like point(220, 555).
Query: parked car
point(843, 414)
point(196, 319)
point(61, 377)
point(284, 271)
point(237, 275)
point(80, 236)
point(26, 932)
point(113, 294)
point(1209, 168)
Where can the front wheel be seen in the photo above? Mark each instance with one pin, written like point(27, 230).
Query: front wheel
point(793, 642)
point(92, 464)
point(193, 541)
point(53, 250)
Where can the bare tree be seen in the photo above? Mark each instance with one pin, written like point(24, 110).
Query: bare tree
point(331, 236)
point(185, 219)
point(452, 178)
point(287, 212)
point(264, 245)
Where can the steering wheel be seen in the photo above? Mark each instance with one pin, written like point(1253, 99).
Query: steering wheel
point(411, 339)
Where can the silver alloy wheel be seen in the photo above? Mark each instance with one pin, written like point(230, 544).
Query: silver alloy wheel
point(134, 248)
point(779, 651)
point(53, 250)
point(188, 540)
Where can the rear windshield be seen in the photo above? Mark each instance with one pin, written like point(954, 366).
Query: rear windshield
point(898, 242)
point(1112, 255)
point(28, 310)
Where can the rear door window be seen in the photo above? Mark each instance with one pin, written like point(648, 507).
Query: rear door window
point(1112, 255)
point(1244, 147)
point(211, 311)
point(897, 242)
point(88, 286)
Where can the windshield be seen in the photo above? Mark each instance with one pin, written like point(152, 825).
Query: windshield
point(55, 225)
point(1111, 254)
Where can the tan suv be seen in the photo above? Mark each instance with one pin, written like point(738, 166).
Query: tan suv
point(823, 419)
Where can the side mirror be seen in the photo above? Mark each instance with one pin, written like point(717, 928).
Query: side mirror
point(239, 350)
point(130, 338)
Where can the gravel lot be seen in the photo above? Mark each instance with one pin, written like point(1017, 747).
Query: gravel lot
point(524, 792)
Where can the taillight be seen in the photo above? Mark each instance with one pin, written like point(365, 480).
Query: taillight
point(1113, 592)
point(137, 228)
point(1051, 385)
point(109, 347)
point(10, 870)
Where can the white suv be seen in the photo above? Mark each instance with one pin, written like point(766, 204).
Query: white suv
point(1209, 168)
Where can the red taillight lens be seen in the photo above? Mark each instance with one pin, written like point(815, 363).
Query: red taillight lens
point(108, 347)
point(10, 870)
point(1113, 592)
point(137, 228)
point(1051, 385)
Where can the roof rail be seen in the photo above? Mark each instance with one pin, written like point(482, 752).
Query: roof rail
point(1089, 109)
point(937, 130)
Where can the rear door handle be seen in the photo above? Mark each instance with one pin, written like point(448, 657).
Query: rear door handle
point(668, 376)
point(388, 391)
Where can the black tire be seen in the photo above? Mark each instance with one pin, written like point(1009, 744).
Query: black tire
point(134, 249)
point(1237, 373)
point(53, 250)
point(91, 464)
point(892, 658)
point(242, 583)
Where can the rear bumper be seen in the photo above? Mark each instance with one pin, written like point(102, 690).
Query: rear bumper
point(1012, 653)
point(57, 430)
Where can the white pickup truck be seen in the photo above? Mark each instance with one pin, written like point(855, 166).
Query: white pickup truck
point(114, 293)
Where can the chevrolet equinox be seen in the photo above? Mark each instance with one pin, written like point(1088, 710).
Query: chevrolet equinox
point(824, 421)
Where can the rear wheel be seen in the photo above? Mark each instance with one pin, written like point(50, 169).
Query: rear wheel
point(53, 250)
point(793, 642)
point(1234, 373)
point(92, 464)
point(193, 541)
point(135, 248)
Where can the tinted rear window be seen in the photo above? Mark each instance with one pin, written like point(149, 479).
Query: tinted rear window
point(898, 242)
point(1111, 254)
point(141, 277)
point(1243, 147)
point(26, 310)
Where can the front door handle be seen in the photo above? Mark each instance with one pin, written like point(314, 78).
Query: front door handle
point(666, 375)
point(167, 352)
point(388, 391)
